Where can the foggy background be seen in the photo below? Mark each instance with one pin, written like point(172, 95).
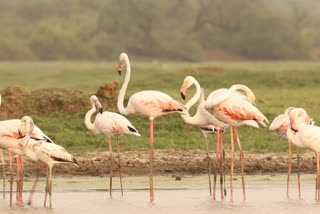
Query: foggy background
point(166, 30)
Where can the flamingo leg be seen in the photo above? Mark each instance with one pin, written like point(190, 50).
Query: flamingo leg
point(35, 184)
point(11, 175)
point(318, 177)
point(47, 187)
point(289, 168)
point(232, 163)
point(3, 176)
point(111, 166)
point(224, 173)
point(151, 161)
point(50, 185)
point(221, 166)
point(242, 163)
point(120, 169)
point(216, 167)
point(22, 178)
point(18, 180)
point(298, 160)
point(209, 165)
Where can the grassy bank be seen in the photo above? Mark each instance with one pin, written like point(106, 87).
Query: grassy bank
point(276, 85)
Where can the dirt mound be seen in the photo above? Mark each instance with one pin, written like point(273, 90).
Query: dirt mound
point(17, 102)
point(206, 69)
point(108, 90)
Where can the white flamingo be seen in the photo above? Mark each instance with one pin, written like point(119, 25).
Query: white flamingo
point(151, 104)
point(10, 138)
point(301, 133)
point(233, 108)
point(278, 128)
point(109, 124)
point(45, 152)
point(204, 120)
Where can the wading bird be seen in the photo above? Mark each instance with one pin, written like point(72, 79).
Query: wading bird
point(41, 150)
point(207, 123)
point(304, 135)
point(109, 124)
point(10, 139)
point(233, 108)
point(278, 128)
point(151, 104)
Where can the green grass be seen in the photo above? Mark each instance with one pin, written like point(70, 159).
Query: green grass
point(276, 85)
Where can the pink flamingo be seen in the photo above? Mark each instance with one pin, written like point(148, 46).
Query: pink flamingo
point(207, 122)
point(235, 109)
point(43, 151)
point(302, 133)
point(10, 139)
point(278, 128)
point(109, 124)
point(151, 104)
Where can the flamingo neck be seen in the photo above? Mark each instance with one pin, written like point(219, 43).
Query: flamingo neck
point(250, 95)
point(87, 119)
point(194, 120)
point(196, 96)
point(123, 89)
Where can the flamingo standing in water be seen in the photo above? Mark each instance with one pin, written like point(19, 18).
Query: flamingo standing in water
point(43, 151)
point(10, 138)
point(302, 133)
point(235, 109)
point(109, 124)
point(204, 120)
point(151, 104)
point(278, 128)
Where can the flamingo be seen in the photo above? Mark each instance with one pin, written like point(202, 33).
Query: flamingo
point(109, 124)
point(151, 104)
point(204, 121)
point(234, 108)
point(45, 152)
point(305, 135)
point(10, 139)
point(279, 128)
point(3, 170)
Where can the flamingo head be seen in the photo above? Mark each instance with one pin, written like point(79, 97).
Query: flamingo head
point(187, 82)
point(122, 59)
point(96, 103)
point(298, 116)
point(26, 126)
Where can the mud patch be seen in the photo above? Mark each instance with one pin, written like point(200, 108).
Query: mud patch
point(178, 162)
point(17, 101)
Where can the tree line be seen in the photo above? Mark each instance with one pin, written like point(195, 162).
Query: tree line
point(167, 29)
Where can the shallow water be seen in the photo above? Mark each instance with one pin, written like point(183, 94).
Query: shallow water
point(265, 194)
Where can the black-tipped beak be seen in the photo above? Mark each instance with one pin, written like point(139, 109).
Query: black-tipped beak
point(183, 96)
point(19, 133)
point(100, 110)
point(119, 72)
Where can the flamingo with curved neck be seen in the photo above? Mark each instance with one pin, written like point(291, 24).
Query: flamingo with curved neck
point(109, 124)
point(151, 104)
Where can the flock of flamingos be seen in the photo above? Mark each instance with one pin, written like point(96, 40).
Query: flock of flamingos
point(223, 108)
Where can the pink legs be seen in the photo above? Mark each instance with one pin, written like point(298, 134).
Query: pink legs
point(209, 165)
point(232, 163)
point(111, 165)
point(318, 178)
point(289, 168)
point(222, 175)
point(3, 176)
point(242, 163)
point(35, 184)
point(120, 170)
point(151, 161)
point(19, 179)
point(11, 176)
point(298, 160)
point(216, 166)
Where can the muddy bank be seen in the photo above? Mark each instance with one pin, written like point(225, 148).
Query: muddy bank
point(176, 162)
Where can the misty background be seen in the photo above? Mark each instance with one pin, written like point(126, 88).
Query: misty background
point(186, 30)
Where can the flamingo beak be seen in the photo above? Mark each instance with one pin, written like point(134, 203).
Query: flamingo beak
point(101, 110)
point(120, 68)
point(183, 96)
